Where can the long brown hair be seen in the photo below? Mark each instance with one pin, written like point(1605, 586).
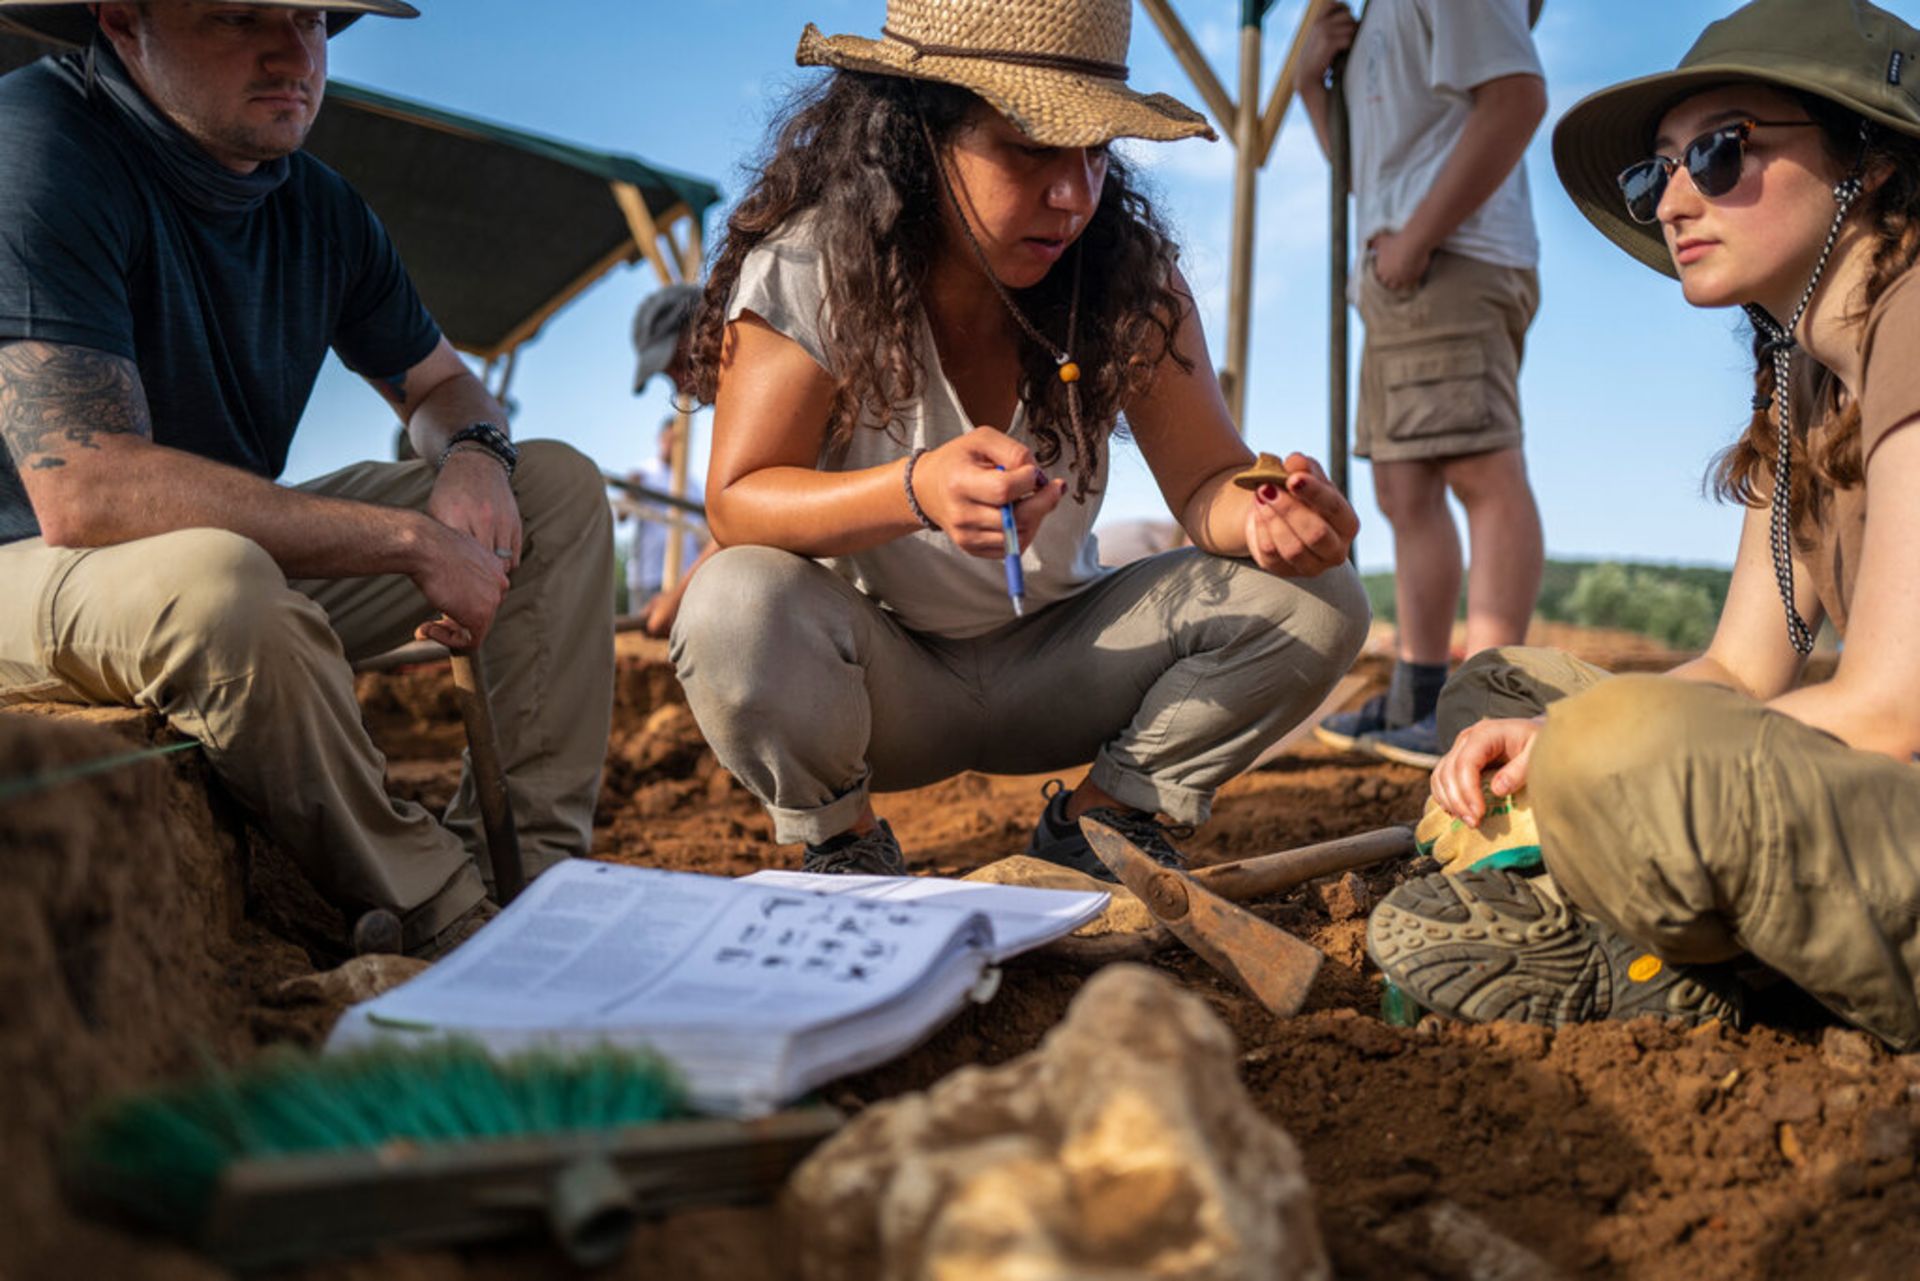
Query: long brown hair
point(1826, 438)
point(851, 150)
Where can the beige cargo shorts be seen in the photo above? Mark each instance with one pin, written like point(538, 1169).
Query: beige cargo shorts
point(1440, 375)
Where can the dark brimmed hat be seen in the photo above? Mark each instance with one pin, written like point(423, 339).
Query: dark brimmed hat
point(1847, 51)
point(72, 21)
point(1056, 68)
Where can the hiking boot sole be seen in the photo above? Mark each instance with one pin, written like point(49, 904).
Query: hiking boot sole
point(1487, 945)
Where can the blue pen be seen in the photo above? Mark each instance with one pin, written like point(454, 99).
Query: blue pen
point(1016, 579)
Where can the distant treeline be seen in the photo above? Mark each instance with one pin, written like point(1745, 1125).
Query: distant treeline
point(1677, 604)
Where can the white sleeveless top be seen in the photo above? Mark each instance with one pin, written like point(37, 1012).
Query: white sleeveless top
point(923, 578)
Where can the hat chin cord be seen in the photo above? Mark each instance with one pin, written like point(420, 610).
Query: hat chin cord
point(1781, 344)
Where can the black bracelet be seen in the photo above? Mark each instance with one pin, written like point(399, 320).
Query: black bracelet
point(487, 437)
point(913, 504)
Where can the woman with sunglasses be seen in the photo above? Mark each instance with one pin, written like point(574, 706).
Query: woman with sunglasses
point(1725, 813)
point(931, 307)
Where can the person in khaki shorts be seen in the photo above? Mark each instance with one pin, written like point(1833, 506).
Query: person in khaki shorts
point(173, 270)
point(1725, 814)
point(1444, 95)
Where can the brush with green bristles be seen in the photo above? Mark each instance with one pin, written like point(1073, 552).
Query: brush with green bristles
point(298, 1156)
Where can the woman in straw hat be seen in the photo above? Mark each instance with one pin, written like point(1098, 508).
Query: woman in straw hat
point(1725, 812)
point(931, 308)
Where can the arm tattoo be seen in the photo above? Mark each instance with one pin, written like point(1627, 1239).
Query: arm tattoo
point(56, 399)
point(395, 389)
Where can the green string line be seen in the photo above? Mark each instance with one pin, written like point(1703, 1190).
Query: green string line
point(27, 784)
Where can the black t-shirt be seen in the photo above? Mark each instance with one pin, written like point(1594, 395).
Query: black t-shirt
point(118, 233)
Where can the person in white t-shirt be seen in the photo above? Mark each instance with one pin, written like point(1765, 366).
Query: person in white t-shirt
point(1443, 96)
point(647, 553)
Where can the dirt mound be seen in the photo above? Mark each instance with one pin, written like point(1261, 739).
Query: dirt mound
point(124, 955)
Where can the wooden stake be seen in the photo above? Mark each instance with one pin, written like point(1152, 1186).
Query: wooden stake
point(489, 779)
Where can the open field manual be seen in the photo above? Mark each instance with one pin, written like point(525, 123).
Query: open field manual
point(757, 989)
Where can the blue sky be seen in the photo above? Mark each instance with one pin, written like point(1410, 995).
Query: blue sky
point(1627, 391)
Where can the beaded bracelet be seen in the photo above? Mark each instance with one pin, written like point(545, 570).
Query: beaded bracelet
point(913, 504)
point(471, 447)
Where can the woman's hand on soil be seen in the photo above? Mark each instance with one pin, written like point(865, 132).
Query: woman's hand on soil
point(963, 485)
point(1505, 743)
point(1301, 528)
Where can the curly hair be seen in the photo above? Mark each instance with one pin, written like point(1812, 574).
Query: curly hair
point(1826, 442)
point(851, 151)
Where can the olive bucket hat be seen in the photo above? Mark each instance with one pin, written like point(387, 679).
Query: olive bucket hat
point(1846, 51)
point(72, 21)
point(1056, 68)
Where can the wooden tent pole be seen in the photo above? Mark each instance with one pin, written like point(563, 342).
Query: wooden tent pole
point(1340, 179)
point(1194, 63)
point(1246, 173)
point(646, 232)
point(1282, 93)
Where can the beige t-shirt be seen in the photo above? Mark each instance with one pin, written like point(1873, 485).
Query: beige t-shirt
point(929, 583)
point(1889, 396)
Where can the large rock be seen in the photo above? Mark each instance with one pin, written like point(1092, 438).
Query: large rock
point(1124, 1147)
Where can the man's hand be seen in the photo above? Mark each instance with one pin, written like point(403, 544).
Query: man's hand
point(1399, 261)
point(1507, 743)
point(1330, 36)
point(963, 484)
point(1303, 528)
point(473, 497)
point(463, 580)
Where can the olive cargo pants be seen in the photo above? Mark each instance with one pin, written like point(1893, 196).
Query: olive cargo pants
point(1704, 826)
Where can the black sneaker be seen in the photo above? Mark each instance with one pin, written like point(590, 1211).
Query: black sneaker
point(1488, 945)
point(1058, 839)
point(875, 854)
point(1343, 729)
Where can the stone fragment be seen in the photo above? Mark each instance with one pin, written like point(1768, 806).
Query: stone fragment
point(1345, 897)
point(1887, 1135)
point(1125, 913)
point(361, 979)
point(1846, 1050)
point(1123, 1149)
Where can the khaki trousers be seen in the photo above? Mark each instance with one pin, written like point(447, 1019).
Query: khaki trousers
point(201, 626)
point(1703, 825)
point(1170, 674)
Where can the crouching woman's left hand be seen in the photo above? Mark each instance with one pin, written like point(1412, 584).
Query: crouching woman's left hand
point(1302, 528)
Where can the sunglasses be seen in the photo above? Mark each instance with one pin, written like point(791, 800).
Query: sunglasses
point(1714, 161)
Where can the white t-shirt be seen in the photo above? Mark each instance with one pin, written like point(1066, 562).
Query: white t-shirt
point(1409, 83)
point(931, 585)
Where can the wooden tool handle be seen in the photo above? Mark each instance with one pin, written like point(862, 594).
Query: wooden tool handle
point(1252, 878)
point(489, 780)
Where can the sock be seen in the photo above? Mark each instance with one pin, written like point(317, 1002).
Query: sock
point(1413, 692)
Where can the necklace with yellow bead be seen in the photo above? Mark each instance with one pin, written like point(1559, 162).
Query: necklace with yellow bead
point(1069, 371)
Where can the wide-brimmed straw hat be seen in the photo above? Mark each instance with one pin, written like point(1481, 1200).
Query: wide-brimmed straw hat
point(1056, 68)
point(72, 21)
point(1846, 51)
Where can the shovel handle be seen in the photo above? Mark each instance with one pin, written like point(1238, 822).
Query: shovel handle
point(1265, 874)
point(489, 779)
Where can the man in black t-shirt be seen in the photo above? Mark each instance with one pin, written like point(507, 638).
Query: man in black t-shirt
point(173, 270)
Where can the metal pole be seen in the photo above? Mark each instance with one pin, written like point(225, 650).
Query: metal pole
point(1339, 182)
point(1246, 145)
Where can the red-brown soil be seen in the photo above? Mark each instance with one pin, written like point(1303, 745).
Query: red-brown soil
point(1614, 1150)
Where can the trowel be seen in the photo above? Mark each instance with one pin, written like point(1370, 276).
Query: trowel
point(1269, 964)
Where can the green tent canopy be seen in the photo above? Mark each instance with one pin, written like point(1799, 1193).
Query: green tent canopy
point(499, 227)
